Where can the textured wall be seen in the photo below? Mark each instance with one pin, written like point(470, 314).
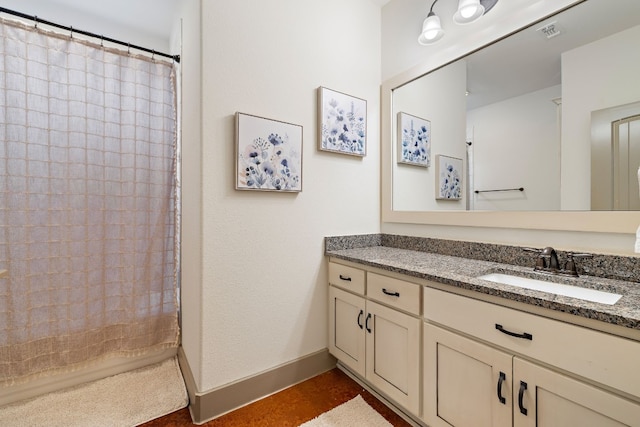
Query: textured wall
point(264, 293)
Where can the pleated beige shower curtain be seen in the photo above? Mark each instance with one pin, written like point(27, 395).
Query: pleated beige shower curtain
point(87, 204)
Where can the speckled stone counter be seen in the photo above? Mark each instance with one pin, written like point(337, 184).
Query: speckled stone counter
point(462, 272)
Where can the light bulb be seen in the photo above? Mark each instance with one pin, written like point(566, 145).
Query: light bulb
point(468, 11)
point(431, 30)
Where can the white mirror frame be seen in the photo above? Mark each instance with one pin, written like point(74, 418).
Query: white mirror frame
point(441, 54)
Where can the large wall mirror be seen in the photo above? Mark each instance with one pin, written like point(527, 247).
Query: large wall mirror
point(542, 127)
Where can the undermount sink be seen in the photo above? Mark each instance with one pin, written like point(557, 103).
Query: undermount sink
point(587, 294)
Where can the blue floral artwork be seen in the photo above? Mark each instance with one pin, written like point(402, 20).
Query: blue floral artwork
point(414, 137)
point(449, 178)
point(343, 122)
point(269, 154)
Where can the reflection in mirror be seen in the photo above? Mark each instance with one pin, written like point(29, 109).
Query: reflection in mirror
point(615, 158)
point(518, 113)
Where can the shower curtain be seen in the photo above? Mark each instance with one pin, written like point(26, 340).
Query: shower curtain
point(87, 203)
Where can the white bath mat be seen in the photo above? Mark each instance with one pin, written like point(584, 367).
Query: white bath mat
point(353, 413)
point(123, 400)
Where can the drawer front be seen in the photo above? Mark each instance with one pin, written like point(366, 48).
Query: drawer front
point(346, 277)
point(601, 357)
point(395, 293)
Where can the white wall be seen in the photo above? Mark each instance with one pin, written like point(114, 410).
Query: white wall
point(516, 143)
point(441, 100)
point(264, 285)
point(591, 85)
point(187, 34)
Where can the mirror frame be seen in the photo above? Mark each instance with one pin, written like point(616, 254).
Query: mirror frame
point(585, 221)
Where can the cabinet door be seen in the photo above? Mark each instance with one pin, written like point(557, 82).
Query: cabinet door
point(346, 329)
point(466, 384)
point(543, 398)
point(393, 354)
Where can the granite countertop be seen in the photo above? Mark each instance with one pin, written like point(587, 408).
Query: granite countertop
point(463, 272)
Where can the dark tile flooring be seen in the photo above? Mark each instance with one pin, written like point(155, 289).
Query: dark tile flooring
point(290, 407)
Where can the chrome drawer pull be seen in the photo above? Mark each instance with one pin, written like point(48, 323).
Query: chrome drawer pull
point(524, 335)
point(393, 294)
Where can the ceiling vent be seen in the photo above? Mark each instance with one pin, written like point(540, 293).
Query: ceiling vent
point(549, 30)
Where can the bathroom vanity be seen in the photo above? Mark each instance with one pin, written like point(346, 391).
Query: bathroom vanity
point(451, 349)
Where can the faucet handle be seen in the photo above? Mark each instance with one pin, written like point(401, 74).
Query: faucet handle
point(541, 260)
point(570, 265)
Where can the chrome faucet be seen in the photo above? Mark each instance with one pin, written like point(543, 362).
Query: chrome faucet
point(547, 261)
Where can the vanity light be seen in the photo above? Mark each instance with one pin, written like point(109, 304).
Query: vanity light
point(468, 11)
point(431, 29)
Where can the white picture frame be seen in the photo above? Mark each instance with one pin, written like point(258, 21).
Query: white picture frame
point(342, 123)
point(414, 140)
point(268, 154)
point(448, 178)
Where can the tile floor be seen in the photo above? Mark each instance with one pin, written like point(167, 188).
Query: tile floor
point(290, 407)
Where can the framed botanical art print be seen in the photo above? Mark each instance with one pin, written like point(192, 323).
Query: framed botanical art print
point(414, 140)
point(268, 154)
point(448, 178)
point(342, 123)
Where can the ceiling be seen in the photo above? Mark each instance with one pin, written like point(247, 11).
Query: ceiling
point(504, 66)
point(153, 17)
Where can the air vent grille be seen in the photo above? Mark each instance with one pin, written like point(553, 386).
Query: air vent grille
point(549, 30)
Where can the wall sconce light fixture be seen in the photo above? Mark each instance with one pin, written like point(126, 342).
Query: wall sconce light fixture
point(468, 11)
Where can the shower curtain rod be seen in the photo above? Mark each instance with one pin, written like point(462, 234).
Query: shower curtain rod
point(72, 30)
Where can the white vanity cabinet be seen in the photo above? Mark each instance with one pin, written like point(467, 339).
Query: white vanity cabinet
point(374, 330)
point(466, 383)
point(552, 399)
point(488, 365)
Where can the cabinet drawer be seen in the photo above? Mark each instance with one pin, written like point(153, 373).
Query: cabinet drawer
point(395, 293)
point(346, 277)
point(601, 357)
